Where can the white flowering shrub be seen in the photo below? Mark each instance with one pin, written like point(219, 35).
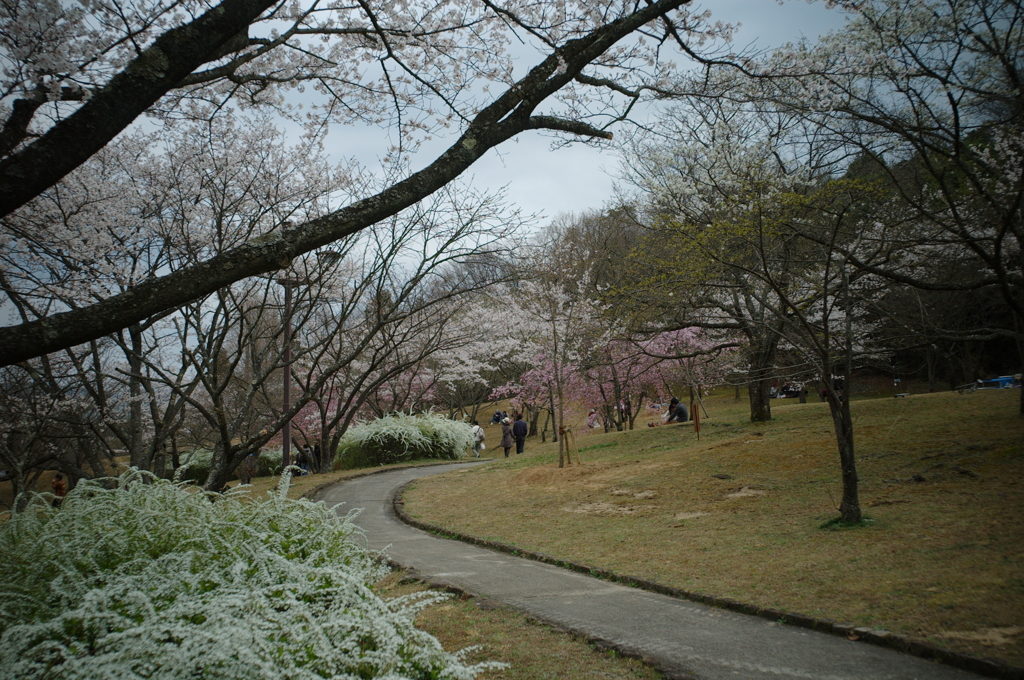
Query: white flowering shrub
point(149, 579)
point(195, 466)
point(269, 462)
point(399, 437)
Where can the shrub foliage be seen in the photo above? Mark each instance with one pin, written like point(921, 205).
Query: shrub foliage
point(195, 465)
point(142, 578)
point(400, 437)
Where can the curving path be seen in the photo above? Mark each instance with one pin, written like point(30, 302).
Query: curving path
point(684, 639)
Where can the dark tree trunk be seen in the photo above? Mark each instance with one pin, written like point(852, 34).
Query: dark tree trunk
point(18, 490)
point(849, 506)
point(760, 392)
point(759, 384)
point(223, 466)
point(839, 406)
point(534, 418)
point(137, 451)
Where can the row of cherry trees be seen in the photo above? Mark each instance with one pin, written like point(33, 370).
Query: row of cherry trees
point(556, 350)
point(210, 373)
point(149, 206)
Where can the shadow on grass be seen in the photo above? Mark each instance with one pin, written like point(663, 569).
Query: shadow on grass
point(838, 524)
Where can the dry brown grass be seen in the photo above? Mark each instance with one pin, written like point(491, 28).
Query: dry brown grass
point(941, 559)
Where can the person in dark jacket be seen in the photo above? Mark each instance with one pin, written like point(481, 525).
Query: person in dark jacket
point(507, 438)
point(519, 430)
point(677, 412)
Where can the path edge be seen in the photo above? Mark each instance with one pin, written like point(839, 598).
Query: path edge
point(311, 494)
point(988, 667)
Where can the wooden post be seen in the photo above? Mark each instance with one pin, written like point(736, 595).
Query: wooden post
point(569, 438)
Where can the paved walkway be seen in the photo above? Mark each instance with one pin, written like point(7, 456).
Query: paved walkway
point(684, 638)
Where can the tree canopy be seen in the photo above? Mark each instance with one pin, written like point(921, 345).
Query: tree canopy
point(76, 78)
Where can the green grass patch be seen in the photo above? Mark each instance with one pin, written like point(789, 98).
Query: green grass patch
point(606, 445)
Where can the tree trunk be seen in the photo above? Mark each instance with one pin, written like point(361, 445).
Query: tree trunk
point(760, 392)
point(137, 453)
point(634, 412)
point(222, 465)
point(20, 498)
point(175, 455)
point(839, 405)
point(849, 507)
point(930, 361)
point(759, 385)
point(608, 417)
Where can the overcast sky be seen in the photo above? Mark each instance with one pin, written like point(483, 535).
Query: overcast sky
point(578, 178)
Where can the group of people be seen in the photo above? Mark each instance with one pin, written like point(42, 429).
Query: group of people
point(514, 430)
point(788, 391)
point(513, 433)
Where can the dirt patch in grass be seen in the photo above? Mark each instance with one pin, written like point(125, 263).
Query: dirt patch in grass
point(746, 492)
point(988, 637)
point(602, 509)
point(690, 515)
point(738, 513)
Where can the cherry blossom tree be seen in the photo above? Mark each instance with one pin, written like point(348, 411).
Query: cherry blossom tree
point(77, 77)
point(635, 370)
point(930, 92)
point(43, 425)
point(757, 220)
point(398, 308)
point(713, 180)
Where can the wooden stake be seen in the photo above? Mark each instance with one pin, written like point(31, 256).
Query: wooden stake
point(570, 445)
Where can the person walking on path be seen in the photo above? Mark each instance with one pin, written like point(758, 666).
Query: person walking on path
point(507, 438)
point(478, 439)
point(247, 470)
point(519, 430)
point(302, 460)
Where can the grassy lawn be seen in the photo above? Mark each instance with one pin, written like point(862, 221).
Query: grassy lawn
point(739, 512)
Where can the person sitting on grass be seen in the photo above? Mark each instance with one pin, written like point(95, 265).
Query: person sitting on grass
point(677, 413)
